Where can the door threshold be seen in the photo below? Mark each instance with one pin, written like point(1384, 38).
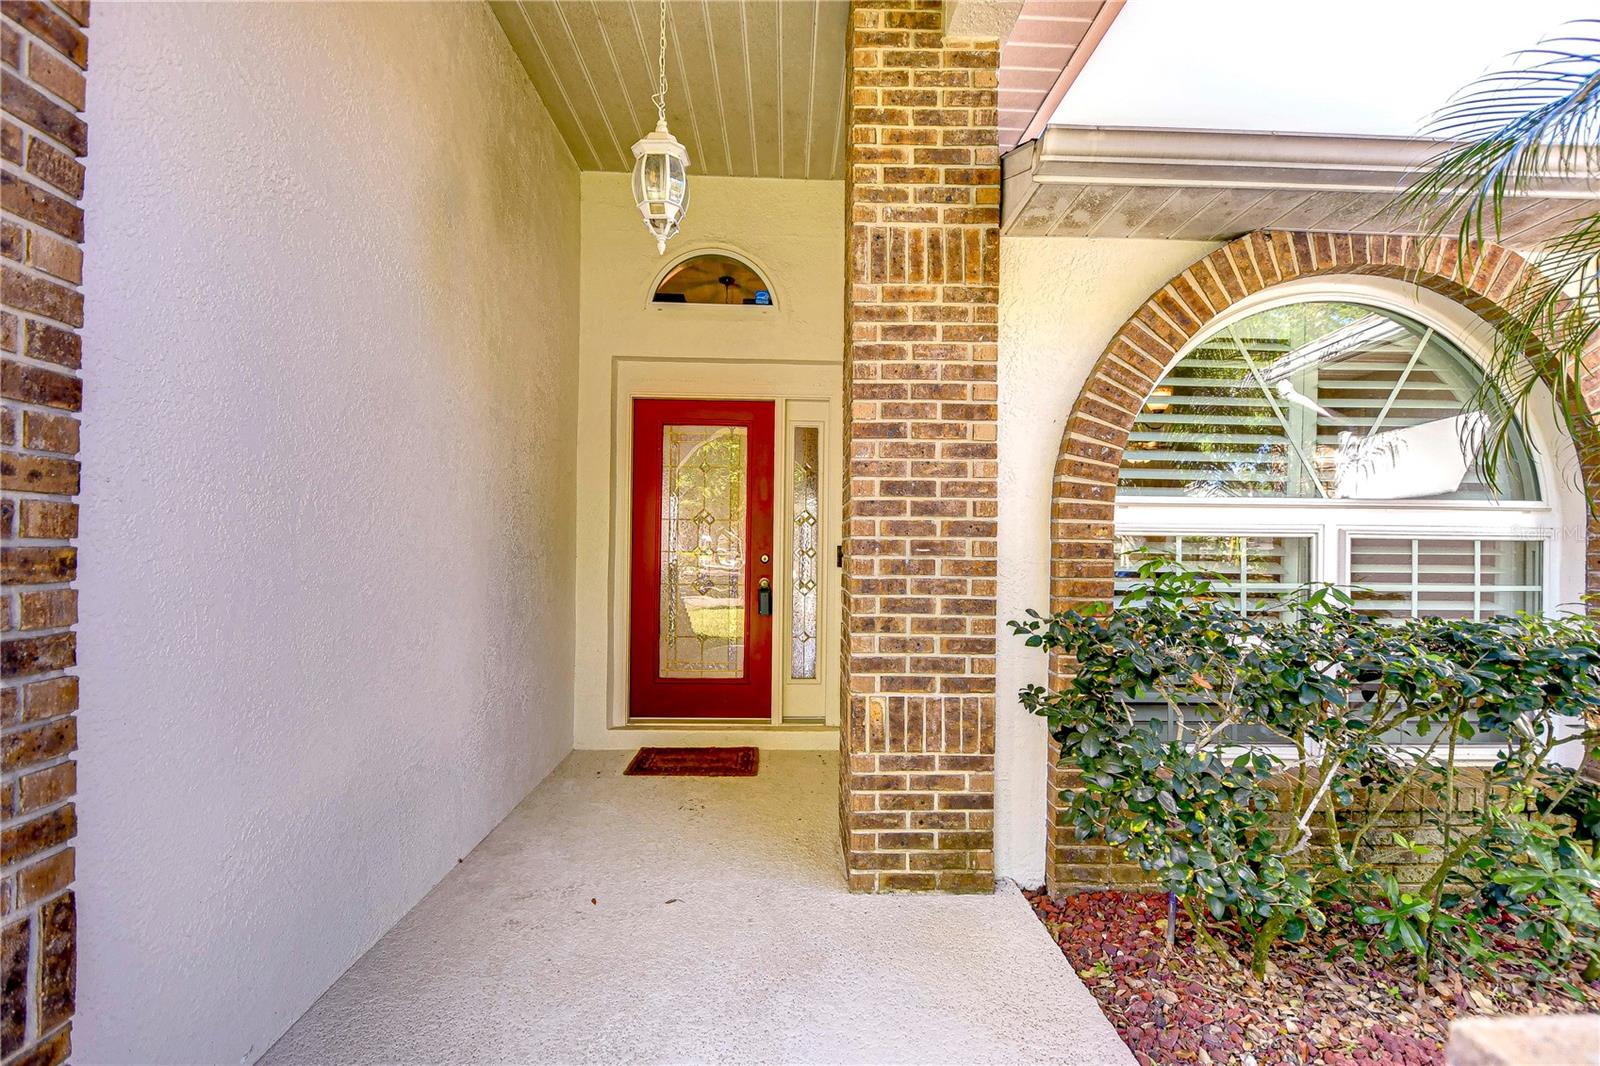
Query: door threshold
point(811, 736)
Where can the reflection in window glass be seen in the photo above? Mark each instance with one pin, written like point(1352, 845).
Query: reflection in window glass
point(713, 279)
point(1319, 400)
point(806, 524)
point(1250, 574)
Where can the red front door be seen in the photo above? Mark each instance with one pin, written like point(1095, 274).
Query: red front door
point(701, 598)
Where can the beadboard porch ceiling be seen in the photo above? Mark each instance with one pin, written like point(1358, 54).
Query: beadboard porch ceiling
point(755, 87)
point(1213, 185)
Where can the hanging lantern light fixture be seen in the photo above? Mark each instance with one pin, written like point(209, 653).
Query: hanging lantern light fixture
point(660, 163)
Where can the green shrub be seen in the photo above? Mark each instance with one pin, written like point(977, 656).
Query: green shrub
point(1291, 735)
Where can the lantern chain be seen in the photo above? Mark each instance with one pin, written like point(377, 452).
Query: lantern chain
point(660, 95)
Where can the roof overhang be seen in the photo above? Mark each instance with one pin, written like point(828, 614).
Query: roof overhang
point(1213, 185)
point(1044, 45)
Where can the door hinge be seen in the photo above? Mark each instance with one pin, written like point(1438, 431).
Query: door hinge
point(838, 555)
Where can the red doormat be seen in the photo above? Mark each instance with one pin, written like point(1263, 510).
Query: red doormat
point(695, 762)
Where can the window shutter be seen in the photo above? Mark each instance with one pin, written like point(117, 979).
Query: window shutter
point(1446, 577)
point(1209, 430)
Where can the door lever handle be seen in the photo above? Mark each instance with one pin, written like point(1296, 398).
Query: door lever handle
point(764, 597)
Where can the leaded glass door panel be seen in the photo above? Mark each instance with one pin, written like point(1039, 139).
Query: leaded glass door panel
point(702, 596)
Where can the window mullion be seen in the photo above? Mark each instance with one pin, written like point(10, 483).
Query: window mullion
point(1331, 568)
point(1477, 579)
point(1416, 578)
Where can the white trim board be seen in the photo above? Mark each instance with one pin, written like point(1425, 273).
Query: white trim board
point(813, 386)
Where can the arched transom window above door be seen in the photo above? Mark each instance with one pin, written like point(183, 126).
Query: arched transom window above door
point(715, 278)
point(1332, 439)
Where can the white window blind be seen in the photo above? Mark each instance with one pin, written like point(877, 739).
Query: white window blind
point(1249, 573)
point(1446, 577)
point(1335, 441)
point(1318, 400)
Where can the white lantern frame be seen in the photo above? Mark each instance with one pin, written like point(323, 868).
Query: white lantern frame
point(661, 183)
point(661, 163)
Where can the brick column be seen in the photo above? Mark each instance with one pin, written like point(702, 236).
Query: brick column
point(43, 139)
point(923, 195)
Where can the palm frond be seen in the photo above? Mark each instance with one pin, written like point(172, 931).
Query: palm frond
point(1506, 130)
point(1505, 134)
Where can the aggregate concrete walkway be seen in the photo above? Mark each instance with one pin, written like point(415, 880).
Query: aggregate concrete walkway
point(719, 931)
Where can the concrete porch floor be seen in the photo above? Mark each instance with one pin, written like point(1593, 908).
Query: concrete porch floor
point(721, 932)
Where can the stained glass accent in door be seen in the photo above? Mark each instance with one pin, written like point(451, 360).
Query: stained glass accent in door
point(703, 471)
point(803, 563)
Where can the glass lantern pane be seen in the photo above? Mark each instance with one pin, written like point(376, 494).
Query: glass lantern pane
point(806, 523)
point(679, 188)
point(655, 176)
point(702, 621)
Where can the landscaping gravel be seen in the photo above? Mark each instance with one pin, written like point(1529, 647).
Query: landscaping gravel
point(1319, 1002)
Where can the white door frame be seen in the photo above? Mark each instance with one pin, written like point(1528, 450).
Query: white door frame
point(805, 393)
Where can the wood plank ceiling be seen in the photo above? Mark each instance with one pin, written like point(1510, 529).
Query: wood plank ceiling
point(755, 87)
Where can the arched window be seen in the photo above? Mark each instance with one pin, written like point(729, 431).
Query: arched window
point(1331, 439)
point(713, 278)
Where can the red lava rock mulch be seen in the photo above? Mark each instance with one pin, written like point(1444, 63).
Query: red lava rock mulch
point(1317, 1004)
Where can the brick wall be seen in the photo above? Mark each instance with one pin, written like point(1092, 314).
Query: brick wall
point(1086, 865)
point(1085, 482)
point(44, 53)
point(923, 195)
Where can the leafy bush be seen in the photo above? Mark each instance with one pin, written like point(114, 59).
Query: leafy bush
point(1291, 737)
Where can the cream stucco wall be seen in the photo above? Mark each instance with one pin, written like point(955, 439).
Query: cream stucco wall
point(331, 365)
point(793, 232)
point(1060, 302)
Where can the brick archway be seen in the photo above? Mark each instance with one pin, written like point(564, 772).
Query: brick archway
point(1083, 493)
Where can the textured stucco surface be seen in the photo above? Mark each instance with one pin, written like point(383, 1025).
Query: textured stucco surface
point(620, 919)
point(790, 230)
point(1060, 303)
point(331, 360)
point(793, 232)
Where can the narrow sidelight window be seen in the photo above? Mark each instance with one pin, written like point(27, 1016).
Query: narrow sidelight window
point(807, 520)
